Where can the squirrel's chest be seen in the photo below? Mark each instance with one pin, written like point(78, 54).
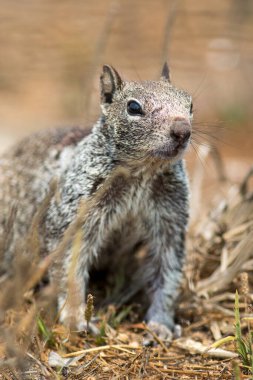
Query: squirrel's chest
point(126, 218)
point(130, 203)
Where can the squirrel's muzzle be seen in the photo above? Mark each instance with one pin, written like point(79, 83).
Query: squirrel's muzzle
point(180, 130)
point(171, 145)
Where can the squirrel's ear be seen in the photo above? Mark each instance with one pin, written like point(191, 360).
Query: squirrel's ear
point(165, 73)
point(110, 81)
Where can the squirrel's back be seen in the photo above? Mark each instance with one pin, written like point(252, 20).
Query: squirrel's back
point(27, 169)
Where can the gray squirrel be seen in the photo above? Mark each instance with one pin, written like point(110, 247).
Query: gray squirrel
point(130, 170)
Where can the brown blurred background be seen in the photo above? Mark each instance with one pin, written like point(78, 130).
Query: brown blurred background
point(51, 53)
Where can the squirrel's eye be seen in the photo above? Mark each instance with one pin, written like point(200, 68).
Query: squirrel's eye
point(134, 108)
point(191, 109)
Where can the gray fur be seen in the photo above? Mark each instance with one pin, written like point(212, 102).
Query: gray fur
point(145, 202)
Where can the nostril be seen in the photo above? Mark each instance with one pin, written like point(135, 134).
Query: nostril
point(187, 135)
point(174, 135)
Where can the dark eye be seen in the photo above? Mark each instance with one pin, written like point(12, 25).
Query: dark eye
point(134, 108)
point(191, 109)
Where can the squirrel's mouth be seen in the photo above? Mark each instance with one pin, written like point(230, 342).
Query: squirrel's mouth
point(170, 150)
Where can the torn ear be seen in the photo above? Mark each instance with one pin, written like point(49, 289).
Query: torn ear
point(110, 82)
point(165, 73)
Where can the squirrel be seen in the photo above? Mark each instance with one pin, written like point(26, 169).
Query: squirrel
point(130, 170)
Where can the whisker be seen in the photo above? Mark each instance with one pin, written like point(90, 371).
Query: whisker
point(212, 125)
point(198, 155)
point(203, 143)
point(201, 88)
point(206, 136)
point(209, 137)
point(195, 92)
point(208, 129)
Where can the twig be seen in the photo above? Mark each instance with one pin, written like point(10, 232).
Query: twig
point(120, 347)
point(156, 337)
point(99, 50)
point(172, 13)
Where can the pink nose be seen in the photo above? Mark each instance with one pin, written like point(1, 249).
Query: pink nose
point(180, 130)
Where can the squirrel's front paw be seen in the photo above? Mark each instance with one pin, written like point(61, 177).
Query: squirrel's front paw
point(160, 330)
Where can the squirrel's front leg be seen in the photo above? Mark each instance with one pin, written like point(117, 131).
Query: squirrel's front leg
point(163, 272)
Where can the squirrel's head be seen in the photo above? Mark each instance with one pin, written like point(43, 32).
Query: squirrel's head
point(148, 118)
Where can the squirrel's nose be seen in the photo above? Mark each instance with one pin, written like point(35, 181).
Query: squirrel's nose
point(180, 131)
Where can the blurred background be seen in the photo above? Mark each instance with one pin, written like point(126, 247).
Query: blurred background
point(51, 52)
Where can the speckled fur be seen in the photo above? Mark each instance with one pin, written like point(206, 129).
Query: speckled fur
point(146, 203)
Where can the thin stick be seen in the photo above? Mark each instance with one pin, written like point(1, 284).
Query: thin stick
point(120, 347)
point(156, 337)
point(172, 13)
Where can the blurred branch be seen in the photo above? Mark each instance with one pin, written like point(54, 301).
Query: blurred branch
point(99, 50)
point(171, 17)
